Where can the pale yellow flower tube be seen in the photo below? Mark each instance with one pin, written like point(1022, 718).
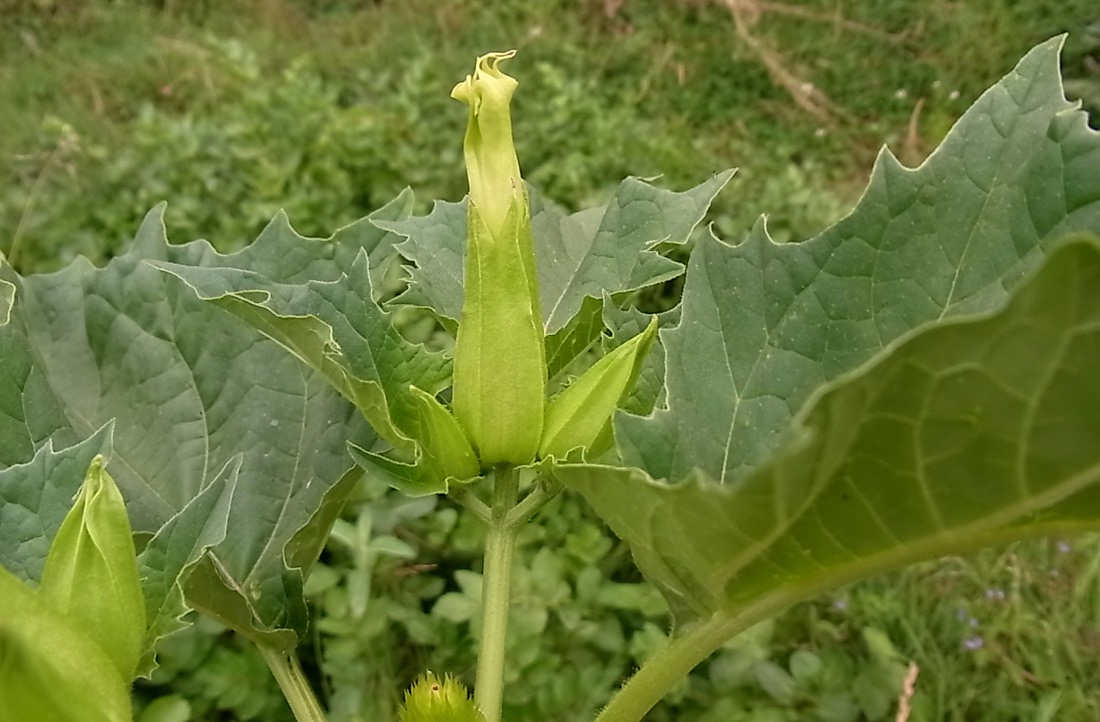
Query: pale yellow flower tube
point(500, 363)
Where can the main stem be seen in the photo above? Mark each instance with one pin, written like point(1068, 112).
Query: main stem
point(292, 681)
point(500, 544)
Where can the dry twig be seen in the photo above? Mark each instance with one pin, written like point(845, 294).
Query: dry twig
point(907, 692)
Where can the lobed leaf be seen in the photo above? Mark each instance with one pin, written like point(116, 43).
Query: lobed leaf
point(577, 256)
point(960, 436)
point(190, 388)
point(36, 496)
point(166, 562)
point(765, 325)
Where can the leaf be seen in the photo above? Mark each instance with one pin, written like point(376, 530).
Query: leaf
point(36, 496)
point(964, 435)
point(330, 322)
point(190, 388)
point(583, 255)
point(444, 453)
point(576, 337)
point(168, 559)
point(765, 325)
point(649, 388)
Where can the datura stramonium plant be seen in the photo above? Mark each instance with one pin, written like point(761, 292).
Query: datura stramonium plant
point(500, 362)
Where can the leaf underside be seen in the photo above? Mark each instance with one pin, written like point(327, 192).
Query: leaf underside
point(970, 433)
point(833, 409)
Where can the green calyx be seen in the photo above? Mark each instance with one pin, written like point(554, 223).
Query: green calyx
point(91, 574)
point(579, 416)
point(432, 699)
point(500, 364)
point(69, 649)
point(445, 448)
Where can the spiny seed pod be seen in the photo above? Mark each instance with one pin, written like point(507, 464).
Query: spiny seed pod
point(576, 417)
point(500, 362)
point(433, 700)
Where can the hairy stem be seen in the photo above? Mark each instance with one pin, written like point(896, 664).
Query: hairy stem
point(664, 669)
point(292, 681)
point(500, 544)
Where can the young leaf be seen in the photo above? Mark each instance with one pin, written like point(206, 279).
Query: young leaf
point(166, 562)
point(765, 325)
point(91, 573)
point(648, 390)
point(967, 434)
point(191, 387)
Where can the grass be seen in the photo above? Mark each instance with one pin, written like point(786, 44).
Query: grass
point(330, 107)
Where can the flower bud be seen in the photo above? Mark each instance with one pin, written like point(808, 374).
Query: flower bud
point(434, 700)
point(576, 417)
point(51, 669)
point(91, 574)
point(500, 362)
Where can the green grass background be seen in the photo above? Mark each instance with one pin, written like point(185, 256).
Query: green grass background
point(327, 108)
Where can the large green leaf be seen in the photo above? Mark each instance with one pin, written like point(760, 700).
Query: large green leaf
point(333, 324)
point(765, 325)
point(190, 389)
point(598, 251)
point(35, 497)
point(969, 433)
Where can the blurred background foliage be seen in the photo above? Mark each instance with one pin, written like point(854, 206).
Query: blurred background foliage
point(328, 108)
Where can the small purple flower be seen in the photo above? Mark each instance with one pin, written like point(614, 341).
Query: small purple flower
point(840, 604)
point(1063, 546)
point(972, 622)
point(974, 643)
point(995, 594)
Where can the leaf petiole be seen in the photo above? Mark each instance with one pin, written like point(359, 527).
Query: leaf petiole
point(545, 490)
point(292, 681)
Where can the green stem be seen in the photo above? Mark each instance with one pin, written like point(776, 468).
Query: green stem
point(524, 511)
point(464, 496)
point(500, 544)
point(292, 681)
point(670, 665)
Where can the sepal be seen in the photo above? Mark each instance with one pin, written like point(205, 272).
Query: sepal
point(578, 417)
